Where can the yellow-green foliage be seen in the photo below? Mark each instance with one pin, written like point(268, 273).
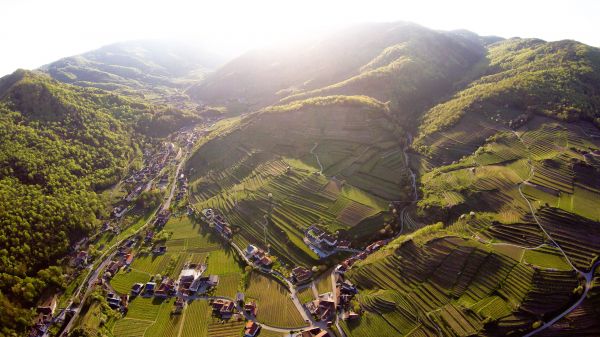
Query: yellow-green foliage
point(325, 101)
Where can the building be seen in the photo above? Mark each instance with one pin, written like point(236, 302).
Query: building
point(314, 332)
point(159, 250)
point(223, 308)
point(322, 309)
point(250, 308)
point(301, 274)
point(251, 329)
point(47, 305)
point(149, 289)
point(136, 289)
point(320, 239)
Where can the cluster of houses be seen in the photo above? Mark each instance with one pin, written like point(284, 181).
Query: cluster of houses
point(349, 262)
point(45, 313)
point(323, 309)
point(219, 222)
point(123, 258)
point(191, 282)
point(183, 185)
point(323, 243)
point(225, 309)
point(161, 218)
point(258, 256)
point(345, 292)
point(154, 164)
point(250, 308)
point(188, 136)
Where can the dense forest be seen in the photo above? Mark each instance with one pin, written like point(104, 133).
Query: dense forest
point(59, 145)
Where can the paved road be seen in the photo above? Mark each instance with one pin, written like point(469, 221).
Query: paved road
point(317, 157)
point(588, 284)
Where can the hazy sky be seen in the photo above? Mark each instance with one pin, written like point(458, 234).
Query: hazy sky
point(36, 32)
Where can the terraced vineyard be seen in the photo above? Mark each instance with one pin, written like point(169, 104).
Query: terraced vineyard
point(363, 170)
point(273, 301)
point(456, 286)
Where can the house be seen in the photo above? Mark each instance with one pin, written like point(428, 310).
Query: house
point(166, 288)
point(213, 280)
point(223, 308)
point(128, 259)
point(301, 274)
point(190, 278)
point(350, 315)
point(375, 246)
point(314, 332)
point(113, 268)
point(47, 305)
point(320, 238)
point(149, 289)
point(322, 309)
point(265, 261)
point(81, 259)
point(159, 250)
point(136, 289)
point(250, 308)
point(251, 250)
point(227, 310)
point(118, 211)
point(251, 329)
point(149, 235)
point(343, 244)
point(114, 301)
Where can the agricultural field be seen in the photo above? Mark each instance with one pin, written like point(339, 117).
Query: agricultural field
point(306, 295)
point(188, 242)
point(324, 284)
point(273, 300)
point(197, 318)
point(490, 261)
point(546, 257)
point(324, 174)
point(460, 280)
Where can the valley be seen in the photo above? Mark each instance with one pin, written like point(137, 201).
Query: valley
point(387, 180)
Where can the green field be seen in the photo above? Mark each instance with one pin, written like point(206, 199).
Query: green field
point(274, 304)
point(197, 317)
point(546, 257)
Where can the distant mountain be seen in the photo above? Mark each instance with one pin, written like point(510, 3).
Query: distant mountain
point(404, 63)
point(147, 66)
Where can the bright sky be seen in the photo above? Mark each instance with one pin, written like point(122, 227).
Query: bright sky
point(36, 32)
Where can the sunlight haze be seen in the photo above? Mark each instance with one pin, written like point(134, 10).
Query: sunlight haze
point(38, 32)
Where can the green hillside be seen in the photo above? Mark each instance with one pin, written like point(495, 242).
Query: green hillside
point(522, 77)
point(405, 63)
point(281, 150)
point(59, 146)
point(148, 67)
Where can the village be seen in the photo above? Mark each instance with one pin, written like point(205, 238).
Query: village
point(193, 283)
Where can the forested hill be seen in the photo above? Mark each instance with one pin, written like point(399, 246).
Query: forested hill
point(146, 67)
point(59, 145)
point(527, 76)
